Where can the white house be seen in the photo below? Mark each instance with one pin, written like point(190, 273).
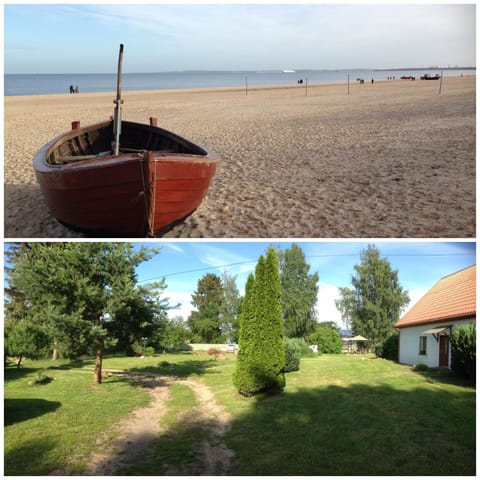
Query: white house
point(424, 331)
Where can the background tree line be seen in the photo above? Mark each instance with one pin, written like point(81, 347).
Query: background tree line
point(73, 299)
point(218, 303)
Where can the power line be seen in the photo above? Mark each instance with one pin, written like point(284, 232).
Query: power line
point(309, 256)
point(198, 270)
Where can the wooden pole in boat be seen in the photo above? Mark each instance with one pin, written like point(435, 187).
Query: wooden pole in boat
point(117, 119)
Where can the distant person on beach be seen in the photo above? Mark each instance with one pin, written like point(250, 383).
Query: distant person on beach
point(72, 89)
point(77, 90)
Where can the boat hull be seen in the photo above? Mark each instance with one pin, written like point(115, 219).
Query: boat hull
point(131, 194)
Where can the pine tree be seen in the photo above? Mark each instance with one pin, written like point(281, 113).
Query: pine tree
point(261, 358)
point(78, 296)
point(208, 298)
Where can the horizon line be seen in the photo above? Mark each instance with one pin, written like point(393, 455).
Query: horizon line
point(266, 71)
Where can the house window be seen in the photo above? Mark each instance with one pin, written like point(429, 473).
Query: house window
point(422, 346)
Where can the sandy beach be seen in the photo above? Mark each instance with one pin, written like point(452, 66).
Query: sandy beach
point(392, 159)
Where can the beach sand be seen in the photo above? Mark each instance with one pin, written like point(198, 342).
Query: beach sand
point(392, 159)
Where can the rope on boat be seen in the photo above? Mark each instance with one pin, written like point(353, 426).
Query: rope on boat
point(154, 183)
point(146, 184)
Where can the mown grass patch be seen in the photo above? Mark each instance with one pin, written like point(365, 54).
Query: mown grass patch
point(356, 415)
point(338, 415)
point(54, 426)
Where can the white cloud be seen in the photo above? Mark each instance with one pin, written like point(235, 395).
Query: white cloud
point(415, 296)
point(173, 246)
point(326, 309)
point(215, 256)
point(164, 37)
point(185, 308)
point(233, 36)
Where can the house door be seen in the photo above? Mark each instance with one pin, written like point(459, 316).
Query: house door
point(443, 354)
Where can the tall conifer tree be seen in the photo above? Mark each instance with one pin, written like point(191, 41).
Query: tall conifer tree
point(208, 298)
point(261, 358)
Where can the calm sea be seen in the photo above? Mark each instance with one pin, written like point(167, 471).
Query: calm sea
point(43, 84)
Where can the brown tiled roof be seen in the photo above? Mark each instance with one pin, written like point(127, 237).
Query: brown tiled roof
point(453, 297)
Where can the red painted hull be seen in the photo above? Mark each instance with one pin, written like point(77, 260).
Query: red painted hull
point(131, 194)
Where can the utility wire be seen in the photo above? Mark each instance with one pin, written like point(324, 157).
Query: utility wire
point(309, 256)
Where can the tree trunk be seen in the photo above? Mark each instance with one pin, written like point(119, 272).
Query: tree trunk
point(55, 355)
point(97, 375)
point(19, 360)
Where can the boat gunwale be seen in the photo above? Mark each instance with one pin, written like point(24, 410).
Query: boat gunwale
point(41, 164)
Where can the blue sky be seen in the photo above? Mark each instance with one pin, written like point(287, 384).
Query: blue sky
point(420, 265)
point(71, 38)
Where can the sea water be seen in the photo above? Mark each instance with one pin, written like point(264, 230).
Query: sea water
point(43, 84)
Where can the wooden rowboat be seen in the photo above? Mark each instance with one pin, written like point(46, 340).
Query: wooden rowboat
point(157, 179)
point(123, 178)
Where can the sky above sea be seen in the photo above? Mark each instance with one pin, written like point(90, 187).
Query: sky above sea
point(84, 38)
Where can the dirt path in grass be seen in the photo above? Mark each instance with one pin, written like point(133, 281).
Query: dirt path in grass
point(212, 455)
point(135, 433)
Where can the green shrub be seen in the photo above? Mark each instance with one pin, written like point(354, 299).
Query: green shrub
point(293, 353)
point(420, 367)
point(327, 339)
point(389, 348)
point(302, 345)
point(149, 352)
point(464, 346)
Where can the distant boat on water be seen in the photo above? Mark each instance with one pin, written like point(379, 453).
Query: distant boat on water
point(289, 71)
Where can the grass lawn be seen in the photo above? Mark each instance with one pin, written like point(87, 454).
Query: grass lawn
point(339, 415)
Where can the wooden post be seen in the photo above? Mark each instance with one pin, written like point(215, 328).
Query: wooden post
point(246, 85)
point(306, 85)
point(55, 355)
point(117, 125)
point(76, 125)
point(440, 88)
point(348, 84)
point(153, 121)
point(97, 375)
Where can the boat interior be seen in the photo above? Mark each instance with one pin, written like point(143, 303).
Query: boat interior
point(96, 142)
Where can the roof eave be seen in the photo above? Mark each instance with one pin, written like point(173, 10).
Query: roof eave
point(436, 320)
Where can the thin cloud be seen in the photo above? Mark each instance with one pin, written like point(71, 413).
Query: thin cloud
point(304, 36)
point(173, 246)
point(214, 256)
